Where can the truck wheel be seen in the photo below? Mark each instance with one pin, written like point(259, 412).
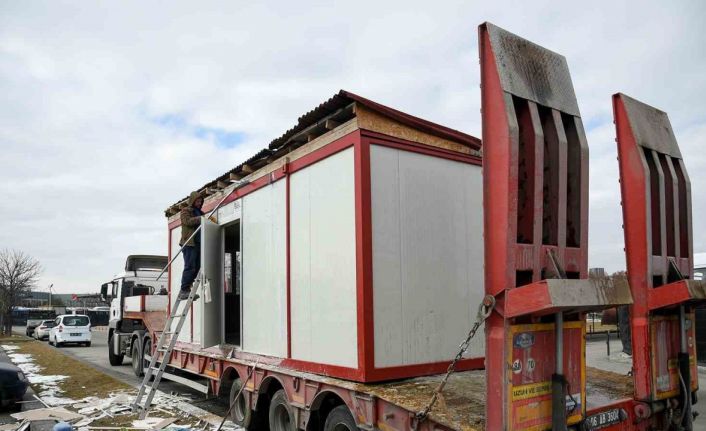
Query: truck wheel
point(280, 414)
point(137, 359)
point(114, 359)
point(146, 351)
point(340, 419)
point(241, 413)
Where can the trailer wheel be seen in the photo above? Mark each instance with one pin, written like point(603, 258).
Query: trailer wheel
point(280, 414)
point(147, 351)
point(114, 359)
point(137, 359)
point(241, 413)
point(340, 419)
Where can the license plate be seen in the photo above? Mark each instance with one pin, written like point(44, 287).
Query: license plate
point(75, 334)
point(605, 419)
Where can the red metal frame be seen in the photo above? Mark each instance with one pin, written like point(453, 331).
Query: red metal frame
point(360, 140)
point(535, 189)
point(644, 133)
point(304, 392)
point(656, 202)
point(364, 258)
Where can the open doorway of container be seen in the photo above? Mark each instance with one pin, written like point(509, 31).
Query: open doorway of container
point(231, 271)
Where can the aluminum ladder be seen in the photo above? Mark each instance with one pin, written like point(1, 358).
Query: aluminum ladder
point(147, 390)
point(167, 332)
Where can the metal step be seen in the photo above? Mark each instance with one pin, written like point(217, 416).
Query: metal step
point(203, 388)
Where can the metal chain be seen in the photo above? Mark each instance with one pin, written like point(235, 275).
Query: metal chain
point(484, 310)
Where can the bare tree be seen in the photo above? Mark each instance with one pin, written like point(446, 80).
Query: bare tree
point(19, 272)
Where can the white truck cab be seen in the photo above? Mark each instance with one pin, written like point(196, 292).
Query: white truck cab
point(132, 290)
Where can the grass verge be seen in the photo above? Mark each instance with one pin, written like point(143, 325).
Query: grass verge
point(83, 381)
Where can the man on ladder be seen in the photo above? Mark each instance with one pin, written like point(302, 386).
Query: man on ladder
point(190, 221)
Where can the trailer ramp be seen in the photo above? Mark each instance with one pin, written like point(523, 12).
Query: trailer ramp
point(535, 192)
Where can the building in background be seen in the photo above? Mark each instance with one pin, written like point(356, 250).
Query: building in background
point(42, 299)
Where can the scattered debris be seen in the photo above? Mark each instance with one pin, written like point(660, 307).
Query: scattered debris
point(48, 385)
point(154, 423)
point(12, 427)
point(173, 411)
point(53, 413)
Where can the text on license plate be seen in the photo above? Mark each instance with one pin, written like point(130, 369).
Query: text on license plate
point(604, 419)
point(75, 334)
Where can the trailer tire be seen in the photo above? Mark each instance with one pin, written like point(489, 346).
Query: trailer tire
point(136, 355)
point(146, 350)
point(114, 359)
point(340, 419)
point(280, 416)
point(241, 413)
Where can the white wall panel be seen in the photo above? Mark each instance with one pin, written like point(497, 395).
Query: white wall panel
point(175, 272)
point(322, 241)
point(264, 271)
point(427, 256)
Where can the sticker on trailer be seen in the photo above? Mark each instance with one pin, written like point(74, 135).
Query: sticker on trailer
point(523, 340)
point(665, 346)
point(531, 364)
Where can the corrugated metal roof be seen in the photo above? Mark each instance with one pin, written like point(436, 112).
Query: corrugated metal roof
point(340, 101)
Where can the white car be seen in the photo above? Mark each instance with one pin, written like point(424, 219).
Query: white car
point(42, 330)
point(70, 328)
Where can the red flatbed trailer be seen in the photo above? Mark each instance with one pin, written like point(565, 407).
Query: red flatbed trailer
point(536, 179)
point(384, 406)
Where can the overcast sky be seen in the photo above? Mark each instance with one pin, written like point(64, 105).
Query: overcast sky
point(112, 111)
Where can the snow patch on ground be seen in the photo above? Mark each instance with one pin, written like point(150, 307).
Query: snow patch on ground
point(8, 347)
point(20, 358)
point(48, 386)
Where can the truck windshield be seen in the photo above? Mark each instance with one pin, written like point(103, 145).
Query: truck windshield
point(76, 321)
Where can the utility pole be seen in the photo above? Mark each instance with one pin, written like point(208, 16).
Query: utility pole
point(50, 287)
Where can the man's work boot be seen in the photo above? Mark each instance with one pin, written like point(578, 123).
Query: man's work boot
point(184, 295)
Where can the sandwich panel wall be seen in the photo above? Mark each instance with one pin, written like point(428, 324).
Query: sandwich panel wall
point(427, 256)
point(175, 272)
point(264, 282)
point(323, 262)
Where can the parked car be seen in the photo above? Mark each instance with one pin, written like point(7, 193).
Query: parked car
point(70, 328)
point(42, 331)
point(13, 385)
point(35, 316)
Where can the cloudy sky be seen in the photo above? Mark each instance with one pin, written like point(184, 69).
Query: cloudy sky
point(111, 111)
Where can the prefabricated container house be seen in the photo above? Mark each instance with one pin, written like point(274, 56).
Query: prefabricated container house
point(351, 247)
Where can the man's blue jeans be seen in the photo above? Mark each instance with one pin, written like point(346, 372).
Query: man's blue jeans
point(192, 264)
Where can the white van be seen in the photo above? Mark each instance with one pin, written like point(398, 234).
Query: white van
point(70, 328)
